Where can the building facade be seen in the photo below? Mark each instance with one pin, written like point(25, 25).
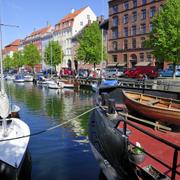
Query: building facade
point(36, 38)
point(130, 22)
point(68, 27)
point(11, 48)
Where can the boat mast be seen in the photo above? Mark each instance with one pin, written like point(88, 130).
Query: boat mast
point(1, 58)
point(3, 96)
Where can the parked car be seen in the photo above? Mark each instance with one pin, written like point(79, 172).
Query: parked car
point(83, 73)
point(66, 72)
point(138, 71)
point(169, 72)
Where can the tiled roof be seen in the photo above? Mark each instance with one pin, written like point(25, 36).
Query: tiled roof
point(40, 31)
point(71, 15)
point(12, 46)
point(14, 43)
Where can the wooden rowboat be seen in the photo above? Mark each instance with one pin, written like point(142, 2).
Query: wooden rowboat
point(157, 108)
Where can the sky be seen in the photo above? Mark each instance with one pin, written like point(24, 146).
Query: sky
point(35, 14)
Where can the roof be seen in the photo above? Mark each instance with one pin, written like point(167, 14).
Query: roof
point(143, 64)
point(14, 43)
point(40, 31)
point(71, 15)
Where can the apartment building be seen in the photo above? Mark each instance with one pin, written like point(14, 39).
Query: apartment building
point(11, 48)
point(68, 27)
point(130, 22)
point(38, 38)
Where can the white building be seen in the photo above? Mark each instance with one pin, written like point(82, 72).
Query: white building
point(68, 27)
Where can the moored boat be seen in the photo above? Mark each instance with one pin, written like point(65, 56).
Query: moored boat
point(19, 78)
point(12, 147)
point(128, 147)
point(28, 78)
point(157, 108)
point(52, 84)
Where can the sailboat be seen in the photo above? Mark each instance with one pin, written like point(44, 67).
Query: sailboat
point(12, 147)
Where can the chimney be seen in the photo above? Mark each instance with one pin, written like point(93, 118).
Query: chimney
point(72, 10)
point(100, 19)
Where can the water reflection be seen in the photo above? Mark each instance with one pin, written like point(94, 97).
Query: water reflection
point(63, 153)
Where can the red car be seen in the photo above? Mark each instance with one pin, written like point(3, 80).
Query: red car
point(66, 72)
point(139, 71)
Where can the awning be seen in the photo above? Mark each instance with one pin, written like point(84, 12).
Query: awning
point(143, 64)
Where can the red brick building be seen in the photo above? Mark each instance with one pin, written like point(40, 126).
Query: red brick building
point(129, 26)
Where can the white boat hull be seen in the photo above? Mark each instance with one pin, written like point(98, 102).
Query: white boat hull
point(54, 85)
point(12, 151)
point(19, 80)
point(28, 78)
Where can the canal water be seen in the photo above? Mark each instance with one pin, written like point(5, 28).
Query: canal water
point(63, 153)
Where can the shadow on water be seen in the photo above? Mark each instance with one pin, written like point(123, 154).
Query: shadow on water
point(26, 168)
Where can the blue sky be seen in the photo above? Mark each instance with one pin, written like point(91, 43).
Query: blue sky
point(34, 14)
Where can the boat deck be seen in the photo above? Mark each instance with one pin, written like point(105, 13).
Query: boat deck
point(158, 149)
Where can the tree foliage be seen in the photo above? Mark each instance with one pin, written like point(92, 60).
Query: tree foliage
point(90, 45)
point(7, 62)
point(53, 54)
point(165, 36)
point(18, 59)
point(31, 55)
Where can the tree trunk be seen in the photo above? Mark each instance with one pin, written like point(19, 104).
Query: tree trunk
point(94, 66)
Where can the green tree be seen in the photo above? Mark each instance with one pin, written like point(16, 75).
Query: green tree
point(7, 62)
point(53, 53)
point(165, 36)
point(31, 55)
point(18, 59)
point(90, 45)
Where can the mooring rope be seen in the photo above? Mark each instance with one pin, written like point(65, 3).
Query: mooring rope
point(51, 128)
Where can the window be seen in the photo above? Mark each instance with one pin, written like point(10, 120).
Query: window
point(133, 43)
point(143, 14)
point(143, 2)
point(125, 44)
point(141, 56)
point(115, 21)
point(134, 16)
point(81, 23)
point(115, 45)
point(125, 18)
point(143, 28)
point(125, 31)
point(125, 58)
point(115, 9)
point(149, 57)
point(150, 27)
point(114, 58)
point(126, 6)
point(152, 12)
point(142, 42)
point(115, 33)
point(133, 30)
point(134, 3)
point(88, 17)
